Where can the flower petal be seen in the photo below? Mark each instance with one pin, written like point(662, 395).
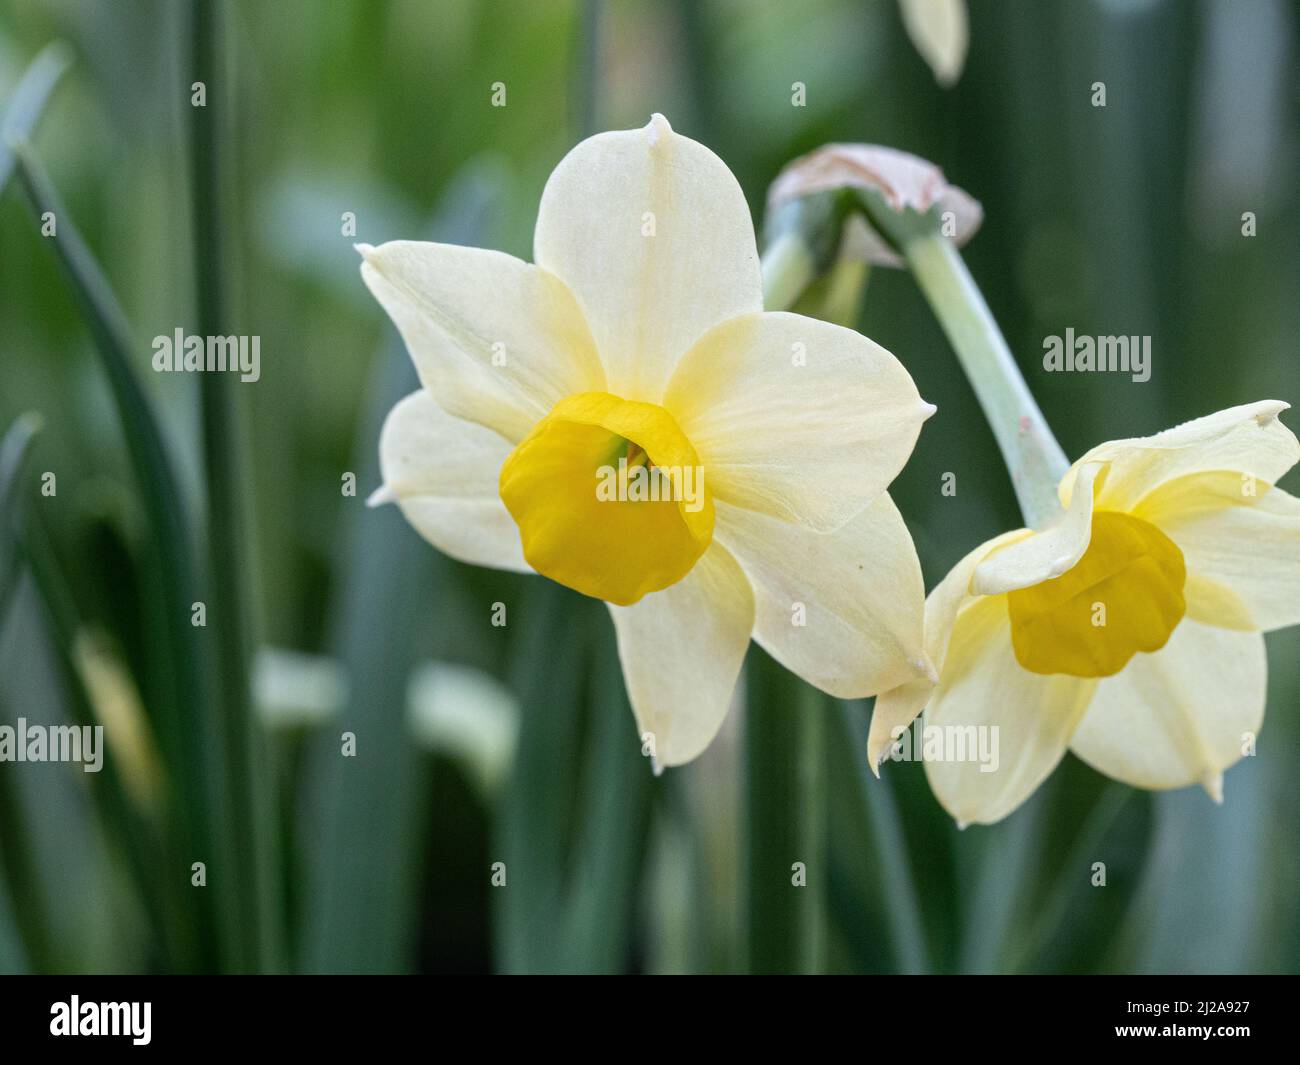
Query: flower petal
point(1179, 716)
point(796, 418)
point(940, 30)
point(652, 233)
point(1239, 532)
point(443, 473)
point(843, 610)
point(1042, 555)
point(896, 708)
point(1249, 439)
point(496, 340)
point(1214, 603)
point(681, 651)
point(984, 687)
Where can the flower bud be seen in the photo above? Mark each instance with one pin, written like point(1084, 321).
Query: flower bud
point(911, 188)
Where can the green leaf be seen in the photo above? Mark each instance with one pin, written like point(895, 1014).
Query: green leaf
point(28, 101)
point(785, 820)
point(185, 723)
point(614, 823)
point(889, 874)
point(250, 798)
point(146, 854)
point(13, 452)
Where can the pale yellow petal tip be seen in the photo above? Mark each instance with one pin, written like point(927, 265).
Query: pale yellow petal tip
point(1213, 785)
point(1268, 416)
point(928, 411)
point(381, 495)
point(875, 755)
point(656, 767)
point(657, 127)
point(366, 251)
point(961, 825)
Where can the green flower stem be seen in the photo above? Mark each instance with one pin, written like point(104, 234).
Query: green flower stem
point(249, 796)
point(1033, 457)
point(774, 918)
point(812, 709)
point(788, 267)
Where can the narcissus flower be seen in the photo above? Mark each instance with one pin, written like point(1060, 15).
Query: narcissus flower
point(638, 345)
point(1131, 632)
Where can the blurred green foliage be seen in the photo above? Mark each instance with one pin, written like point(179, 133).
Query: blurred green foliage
point(1122, 220)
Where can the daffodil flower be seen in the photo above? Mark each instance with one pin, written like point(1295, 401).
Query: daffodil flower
point(639, 340)
point(1130, 631)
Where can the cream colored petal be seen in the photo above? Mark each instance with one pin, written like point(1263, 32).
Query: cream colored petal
point(1180, 716)
point(442, 472)
point(1214, 603)
point(652, 233)
point(1249, 439)
point(681, 651)
point(892, 713)
point(896, 708)
point(496, 340)
point(1045, 554)
point(940, 31)
point(1239, 532)
point(988, 703)
point(796, 418)
point(843, 610)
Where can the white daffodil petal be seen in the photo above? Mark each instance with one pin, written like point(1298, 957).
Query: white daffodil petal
point(496, 340)
point(1029, 719)
point(682, 650)
point(844, 610)
point(1249, 439)
point(891, 715)
point(940, 30)
point(796, 418)
point(653, 235)
point(1045, 554)
point(1239, 532)
point(1180, 716)
point(895, 709)
point(1214, 603)
point(443, 473)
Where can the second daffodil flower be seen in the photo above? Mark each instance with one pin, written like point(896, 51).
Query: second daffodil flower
point(637, 345)
point(1130, 631)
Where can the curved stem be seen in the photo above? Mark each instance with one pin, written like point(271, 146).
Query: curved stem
point(1033, 457)
point(787, 270)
